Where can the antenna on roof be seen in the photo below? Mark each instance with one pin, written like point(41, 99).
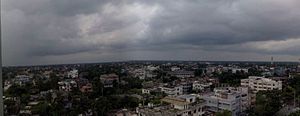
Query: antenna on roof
point(272, 61)
point(299, 63)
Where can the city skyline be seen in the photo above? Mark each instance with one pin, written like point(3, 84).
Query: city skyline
point(75, 31)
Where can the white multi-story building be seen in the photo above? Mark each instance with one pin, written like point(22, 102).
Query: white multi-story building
point(145, 72)
point(233, 99)
point(261, 83)
point(149, 90)
point(152, 68)
point(201, 86)
point(234, 70)
point(175, 68)
point(172, 90)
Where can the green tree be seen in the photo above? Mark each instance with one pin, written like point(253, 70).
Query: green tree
point(267, 103)
point(16, 90)
point(224, 113)
point(297, 113)
point(198, 72)
point(43, 108)
point(101, 106)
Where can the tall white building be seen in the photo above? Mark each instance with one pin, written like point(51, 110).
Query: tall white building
point(233, 99)
point(261, 83)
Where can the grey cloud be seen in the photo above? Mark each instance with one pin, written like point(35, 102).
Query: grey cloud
point(227, 22)
point(35, 29)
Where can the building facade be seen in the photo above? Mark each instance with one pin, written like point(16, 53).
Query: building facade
point(232, 99)
point(256, 83)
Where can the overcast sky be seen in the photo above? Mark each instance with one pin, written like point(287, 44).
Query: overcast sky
point(73, 31)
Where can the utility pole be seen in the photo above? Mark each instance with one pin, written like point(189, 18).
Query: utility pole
point(294, 98)
point(298, 66)
point(272, 61)
point(1, 81)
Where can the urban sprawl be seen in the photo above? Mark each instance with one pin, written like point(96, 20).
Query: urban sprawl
point(154, 88)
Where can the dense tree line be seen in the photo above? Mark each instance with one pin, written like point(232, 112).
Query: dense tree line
point(233, 79)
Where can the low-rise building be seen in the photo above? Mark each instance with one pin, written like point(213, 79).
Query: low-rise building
point(175, 68)
point(187, 87)
point(86, 88)
point(146, 91)
point(172, 90)
point(235, 70)
point(177, 106)
point(67, 85)
point(22, 79)
point(73, 74)
point(198, 86)
point(109, 79)
point(149, 90)
point(181, 73)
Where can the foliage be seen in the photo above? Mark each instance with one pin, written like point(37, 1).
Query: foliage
point(254, 72)
point(43, 108)
point(224, 113)
point(267, 103)
point(198, 72)
point(12, 108)
point(297, 113)
point(231, 78)
point(134, 83)
point(295, 83)
point(106, 104)
point(169, 79)
point(16, 90)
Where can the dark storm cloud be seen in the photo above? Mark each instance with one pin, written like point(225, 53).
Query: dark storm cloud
point(36, 29)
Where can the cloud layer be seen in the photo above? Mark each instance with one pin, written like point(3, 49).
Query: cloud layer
point(67, 31)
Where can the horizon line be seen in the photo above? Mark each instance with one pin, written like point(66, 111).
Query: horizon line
point(76, 63)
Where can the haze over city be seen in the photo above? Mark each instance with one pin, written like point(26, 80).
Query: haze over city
point(74, 31)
